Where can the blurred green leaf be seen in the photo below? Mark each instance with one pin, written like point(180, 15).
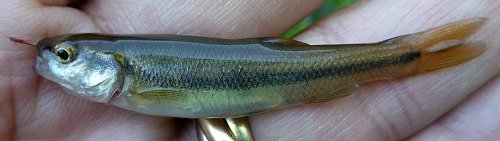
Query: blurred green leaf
point(328, 7)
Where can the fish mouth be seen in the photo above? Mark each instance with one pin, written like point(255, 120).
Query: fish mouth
point(41, 67)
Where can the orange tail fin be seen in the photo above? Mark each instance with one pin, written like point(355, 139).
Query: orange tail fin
point(446, 45)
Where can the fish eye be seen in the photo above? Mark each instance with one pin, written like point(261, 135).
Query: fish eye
point(65, 53)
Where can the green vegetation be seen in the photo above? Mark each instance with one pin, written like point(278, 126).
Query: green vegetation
point(328, 7)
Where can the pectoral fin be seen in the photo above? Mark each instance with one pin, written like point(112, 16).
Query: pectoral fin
point(158, 95)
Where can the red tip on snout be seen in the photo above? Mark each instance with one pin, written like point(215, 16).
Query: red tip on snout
point(17, 40)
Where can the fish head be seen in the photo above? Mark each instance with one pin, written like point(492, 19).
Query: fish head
point(79, 69)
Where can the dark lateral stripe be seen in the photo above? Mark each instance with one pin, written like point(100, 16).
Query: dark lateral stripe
point(241, 79)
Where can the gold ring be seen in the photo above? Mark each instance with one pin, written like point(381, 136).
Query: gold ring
point(223, 129)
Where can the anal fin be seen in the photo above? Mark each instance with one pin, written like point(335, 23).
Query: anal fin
point(340, 93)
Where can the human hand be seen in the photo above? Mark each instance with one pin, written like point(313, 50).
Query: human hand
point(35, 108)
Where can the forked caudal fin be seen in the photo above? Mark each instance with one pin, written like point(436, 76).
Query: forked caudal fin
point(446, 45)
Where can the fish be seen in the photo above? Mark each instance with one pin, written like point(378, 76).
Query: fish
point(202, 77)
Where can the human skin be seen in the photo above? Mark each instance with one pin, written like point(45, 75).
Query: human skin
point(457, 103)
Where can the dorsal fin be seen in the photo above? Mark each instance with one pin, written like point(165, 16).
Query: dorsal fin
point(281, 42)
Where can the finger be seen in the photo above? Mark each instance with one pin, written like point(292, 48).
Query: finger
point(395, 109)
point(475, 119)
point(230, 19)
point(59, 2)
point(58, 20)
point(19, 99)
point(31, 21)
